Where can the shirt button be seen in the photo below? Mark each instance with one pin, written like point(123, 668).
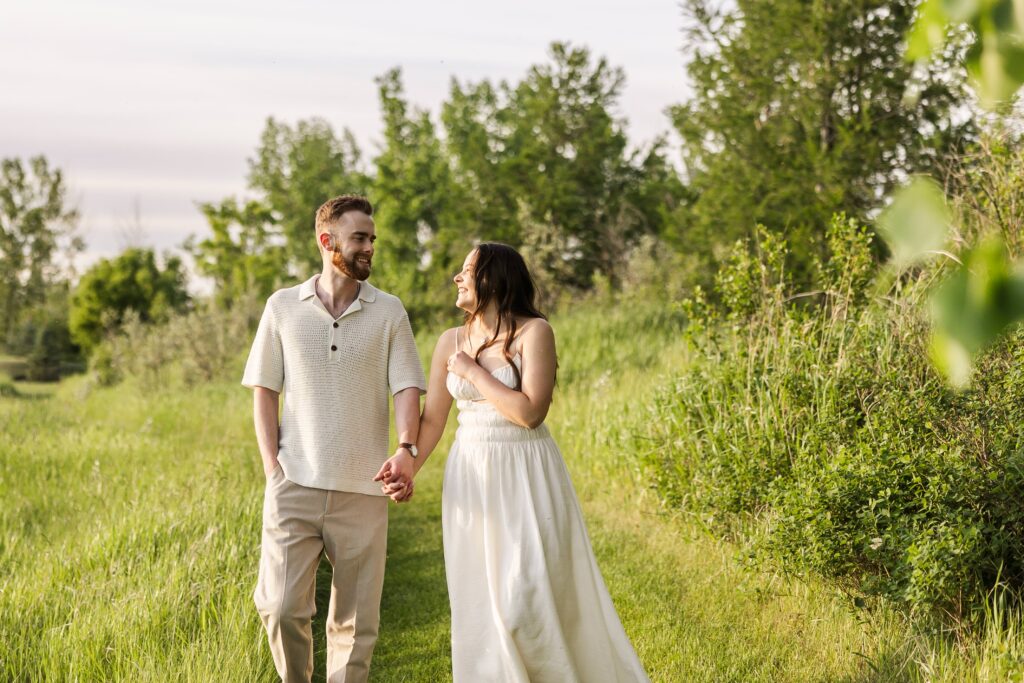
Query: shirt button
point(333, 347)
point(335, 324)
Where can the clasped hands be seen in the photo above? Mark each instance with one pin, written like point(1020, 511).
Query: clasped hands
point(396, 476)
point(397, 473)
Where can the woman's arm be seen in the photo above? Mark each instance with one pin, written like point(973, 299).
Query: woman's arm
point(431, 426)
point(438, 402)
point(529, 406)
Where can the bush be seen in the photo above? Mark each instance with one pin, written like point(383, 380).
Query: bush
point(814, 429)
point(41, 336)
point(189, 348)
point(132, 281)
point(7, 388)
point(654, 271)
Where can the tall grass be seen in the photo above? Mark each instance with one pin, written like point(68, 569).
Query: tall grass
point(130, 533)
point(127, 531)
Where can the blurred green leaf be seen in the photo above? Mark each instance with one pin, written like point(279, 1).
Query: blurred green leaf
point(960, 10)
point(928, 31)
point(1002, 13)
point(995, 59)
point(973, 307)
point(996, 66)
point(952, 360)
point(916, 223)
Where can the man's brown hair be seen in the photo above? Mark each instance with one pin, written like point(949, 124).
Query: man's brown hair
point(332, 209)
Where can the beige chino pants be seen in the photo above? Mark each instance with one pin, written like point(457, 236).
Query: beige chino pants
point(300, 523)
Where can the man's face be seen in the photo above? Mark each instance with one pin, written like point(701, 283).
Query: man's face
point(352, 244)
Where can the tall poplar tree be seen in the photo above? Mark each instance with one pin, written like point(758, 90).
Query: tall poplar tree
point(414, 199)
point(802, 109)
point(546, 165)
point(246, 252)
point(295, 170)
point(36, 227)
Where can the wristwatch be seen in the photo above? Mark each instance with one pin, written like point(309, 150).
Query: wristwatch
point(411, 447)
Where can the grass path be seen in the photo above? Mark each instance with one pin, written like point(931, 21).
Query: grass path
point(129, 537)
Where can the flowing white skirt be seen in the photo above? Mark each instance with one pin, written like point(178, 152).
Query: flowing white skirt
point(528, 601)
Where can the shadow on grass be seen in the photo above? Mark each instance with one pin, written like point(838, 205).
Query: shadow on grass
point(414, 642)
point(11, 391)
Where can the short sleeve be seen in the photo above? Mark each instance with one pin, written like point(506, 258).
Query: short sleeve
point(265, 366)
point(404, 367)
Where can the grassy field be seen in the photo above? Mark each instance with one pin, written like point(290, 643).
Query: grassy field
point(129, 539)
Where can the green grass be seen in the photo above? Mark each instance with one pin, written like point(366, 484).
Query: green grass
point(129, 541)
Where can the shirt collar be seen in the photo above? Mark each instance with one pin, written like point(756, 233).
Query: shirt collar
point(307, 289)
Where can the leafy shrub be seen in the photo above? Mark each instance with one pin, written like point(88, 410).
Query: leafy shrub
point(655, 271)
point(190, 347)
point(40, 335)
point(7, 389)
point(132, 281)
point(822, 437)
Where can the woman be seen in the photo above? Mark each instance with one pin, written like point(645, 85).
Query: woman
point(528, 602)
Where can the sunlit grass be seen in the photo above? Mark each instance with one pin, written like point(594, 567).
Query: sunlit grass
point(129, 541)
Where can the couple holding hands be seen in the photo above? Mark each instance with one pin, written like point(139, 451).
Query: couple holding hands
point(528, 602)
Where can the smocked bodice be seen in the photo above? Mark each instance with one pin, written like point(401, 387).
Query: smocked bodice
point(478, 418)
point(462, 390)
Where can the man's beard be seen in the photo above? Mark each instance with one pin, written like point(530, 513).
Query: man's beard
point(350, 267)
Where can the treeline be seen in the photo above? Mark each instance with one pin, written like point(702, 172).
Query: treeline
point(794, 116)
point(542, 164)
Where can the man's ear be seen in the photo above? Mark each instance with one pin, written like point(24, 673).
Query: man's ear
point(326, 241)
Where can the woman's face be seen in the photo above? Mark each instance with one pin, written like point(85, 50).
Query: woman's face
point(465, 283)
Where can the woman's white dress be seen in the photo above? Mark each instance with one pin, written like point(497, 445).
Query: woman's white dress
point(528, 601)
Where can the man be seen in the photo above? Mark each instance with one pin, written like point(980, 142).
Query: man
point(336, 346)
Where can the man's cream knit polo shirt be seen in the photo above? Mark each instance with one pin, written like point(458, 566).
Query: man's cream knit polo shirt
point(335, 375)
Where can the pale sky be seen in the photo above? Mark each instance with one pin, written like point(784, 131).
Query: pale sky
point(159, 105)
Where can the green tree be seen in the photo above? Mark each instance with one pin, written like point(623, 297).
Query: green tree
point(415, 199)
point(800, 110)
point(541, 165)
point(132, 281)
point(544, 165)
point(296, 169)
point(246, 252)
point(36, 227)
point(475, 120)
point(567, 153)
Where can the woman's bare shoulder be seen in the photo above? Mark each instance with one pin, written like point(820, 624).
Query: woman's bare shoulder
point(535, 326)
point(447, 339)
point(535, 330)
point(445, 345)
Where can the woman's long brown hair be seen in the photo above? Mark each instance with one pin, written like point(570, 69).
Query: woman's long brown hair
point(501, 276)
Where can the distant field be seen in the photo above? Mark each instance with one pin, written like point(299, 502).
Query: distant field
point(129, 536)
